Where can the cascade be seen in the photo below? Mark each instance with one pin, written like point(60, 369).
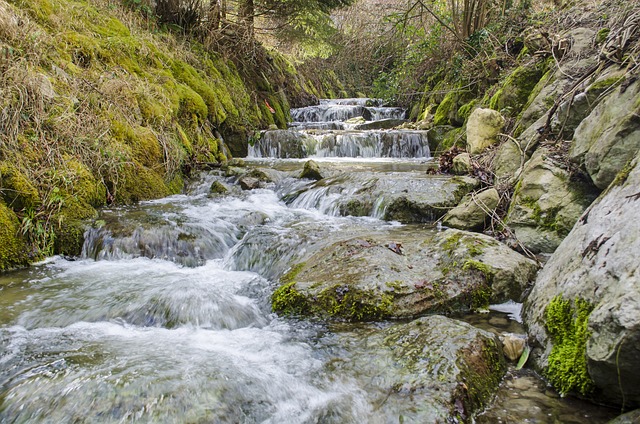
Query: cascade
point(355, 128)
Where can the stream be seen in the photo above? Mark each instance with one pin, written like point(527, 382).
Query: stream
point(166, 316)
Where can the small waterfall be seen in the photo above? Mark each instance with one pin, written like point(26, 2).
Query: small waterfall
point(329, 130)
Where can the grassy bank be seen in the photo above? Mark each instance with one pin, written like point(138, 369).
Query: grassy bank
point(100, 105)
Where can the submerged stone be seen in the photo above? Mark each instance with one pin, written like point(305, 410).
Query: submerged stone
point(433, 369)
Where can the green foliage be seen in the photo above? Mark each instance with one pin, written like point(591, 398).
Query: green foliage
point(567, 326)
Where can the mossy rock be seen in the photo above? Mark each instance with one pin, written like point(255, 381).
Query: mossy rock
point(401, 275)
point(447, 112)
point(511, 98)
point(17, 191)
point(13, 249)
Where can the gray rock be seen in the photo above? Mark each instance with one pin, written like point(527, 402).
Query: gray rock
point(249, 183)
point(311, 171)
point(483, 128)
point(473, 213)
point(462, 164)
point(217, 188)
point(430, 370)
point(401, 273)
point(632, 417)
point(576, 60)
point(610, 137)
point(546, 204)
point(597, 264)
point(575, 109)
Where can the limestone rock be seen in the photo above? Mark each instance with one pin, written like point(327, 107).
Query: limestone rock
point(483, 128)
point(546, 204)
point(400, 274)
point(610, 137)
point(249, 183)
point(281, 144)
point(311, 171)
point(597, 266)
point(462, 164)
point(513, 346)
point(473, 212)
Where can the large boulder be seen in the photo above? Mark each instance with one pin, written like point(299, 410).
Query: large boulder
point(473, 213)
point(584, 310)
point(402, 273)
point(546, 203)
point(430, 370)
point(610, 137)
point(483, 128)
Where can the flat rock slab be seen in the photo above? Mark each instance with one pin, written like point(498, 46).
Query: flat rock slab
point(403, 273)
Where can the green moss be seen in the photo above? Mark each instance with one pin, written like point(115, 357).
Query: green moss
point(137, 183)
point(17, 191)
point(466, 109)
point(548, 219)
point(192, 107)
point(514, 93)
point(452, 242)
point(483, 369)
point(567, 326)
point(481, 295)
point(288, 301)
point(454, 138)
point(338, 301)
point(606, 83)
point(345, 302)
point(448, 110)
point(293, 272)
point(13, 250)
point(622, 176)
point(602, 35)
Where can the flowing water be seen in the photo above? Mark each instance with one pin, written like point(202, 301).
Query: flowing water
point(166, 318)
